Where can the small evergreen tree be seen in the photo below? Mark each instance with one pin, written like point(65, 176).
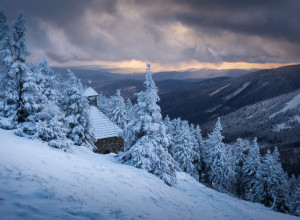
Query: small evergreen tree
point(197, 140)
point(296, 201)
point(76, 108)
point(119, 113)
point(271, 185)
point(240, 160)
point(146, 137)
point(184, 151)
point(47, 81)
point(252, 165)
point(52, 126)
point(8, 77)
point(173, 129)
point(129, 109)
point(28, 91)
point(216, 162)
point(293, 184)
point(103, 104)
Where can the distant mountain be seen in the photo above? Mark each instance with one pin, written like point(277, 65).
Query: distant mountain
point(275, 122)
point(132, 86)
point(205, 103)
point(101, 77)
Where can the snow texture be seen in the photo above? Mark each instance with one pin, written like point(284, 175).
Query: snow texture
point(103, 126)
point(40, 182)
point(90, 92)
point(219, 89)
point(244, 86)
point(292, 104)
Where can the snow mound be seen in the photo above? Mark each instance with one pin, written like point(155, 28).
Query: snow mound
point(39, 182)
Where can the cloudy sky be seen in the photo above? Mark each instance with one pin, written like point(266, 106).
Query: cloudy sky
point(169, 34)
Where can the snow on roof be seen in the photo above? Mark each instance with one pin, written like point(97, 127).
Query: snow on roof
point(90, 92)
point(103, 126)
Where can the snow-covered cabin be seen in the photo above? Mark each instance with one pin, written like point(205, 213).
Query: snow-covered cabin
point(107, 133)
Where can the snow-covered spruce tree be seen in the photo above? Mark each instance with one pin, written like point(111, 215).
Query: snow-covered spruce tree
point(197, 139)
point(8, 77)
point(119, 113)
point(231, 178)
point(52, 126)
point(168, 124)
point(293, 184)
point(146, 137)
point(104, 104)
point(271, 185)
point(28, 91)
point(217, 165)
point(47, 81)
point(295, 209)
point(281, 188)
point(173, 130)
point(76, 108)
point(198, 136)
point(184, 151)
point(200, 141)
point(129, 109)
point(240, 159)
point(4, 47)
point(169, 131)
point(250, 168)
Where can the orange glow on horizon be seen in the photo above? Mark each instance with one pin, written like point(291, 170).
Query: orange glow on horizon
point(138, 66)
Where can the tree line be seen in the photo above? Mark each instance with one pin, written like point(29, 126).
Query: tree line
point(35, 100)
point(164, 146)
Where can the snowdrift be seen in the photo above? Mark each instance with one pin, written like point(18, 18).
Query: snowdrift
point(39, 182)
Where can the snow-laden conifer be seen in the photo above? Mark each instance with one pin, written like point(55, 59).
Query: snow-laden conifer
point(76, 109)
point(239, 158)
point(119, 113)
point(295, 209)
point(271, 186)
point(9, 95)
point(28, 91)
point(197, 140)
point(168, 124)
point(52, 125)
point(173, 129)
point(183, 151)
point(146, 137)
point(47, 80)
point(250, 168)
point(216, 162)
point(129, 109)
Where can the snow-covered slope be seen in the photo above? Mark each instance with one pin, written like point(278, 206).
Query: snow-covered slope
point(39, 182)
point(294, 103)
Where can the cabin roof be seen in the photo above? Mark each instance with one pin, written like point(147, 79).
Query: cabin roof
point(103, 126)
point(90, 92)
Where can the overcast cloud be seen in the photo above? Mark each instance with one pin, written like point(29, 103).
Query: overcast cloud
point(164, 32)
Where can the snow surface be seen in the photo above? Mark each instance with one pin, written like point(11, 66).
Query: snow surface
point(102, 125)
point(219, 89)
point(280, 127)
point(39, 182)
point(244, 86)
point(294, 103)
point(90, 92)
